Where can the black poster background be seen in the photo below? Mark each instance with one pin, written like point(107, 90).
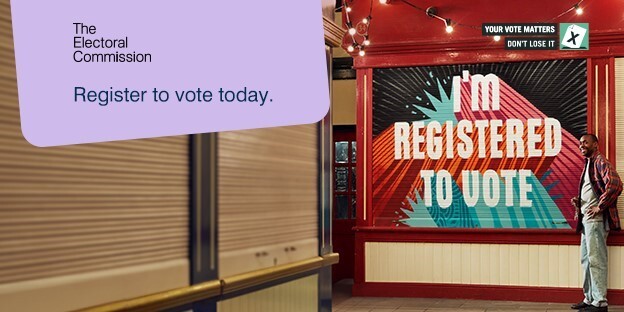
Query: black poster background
point(558, 88)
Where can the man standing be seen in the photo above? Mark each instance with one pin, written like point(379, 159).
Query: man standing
point(596, 214)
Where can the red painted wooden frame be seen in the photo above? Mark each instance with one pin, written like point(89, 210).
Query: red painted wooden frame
point(515, 236)
point(601, 103)
point(611, 103)
point(590, 95)
point(476, 236)
point(602, 44)
point(364, 146)
point(472, 291)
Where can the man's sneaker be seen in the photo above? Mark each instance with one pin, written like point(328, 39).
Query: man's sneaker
point(591, 308)
point(580, 305)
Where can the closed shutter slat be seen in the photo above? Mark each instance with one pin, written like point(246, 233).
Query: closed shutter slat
point(120, 227)
point(86, 266)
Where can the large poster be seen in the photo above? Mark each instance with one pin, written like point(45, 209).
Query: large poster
point(478, 146)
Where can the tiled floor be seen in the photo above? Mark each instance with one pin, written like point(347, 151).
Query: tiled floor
point(343, 302)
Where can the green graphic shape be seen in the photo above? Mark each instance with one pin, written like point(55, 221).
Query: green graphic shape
point(574, 36)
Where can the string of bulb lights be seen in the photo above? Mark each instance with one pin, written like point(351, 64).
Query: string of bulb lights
point(362, 27)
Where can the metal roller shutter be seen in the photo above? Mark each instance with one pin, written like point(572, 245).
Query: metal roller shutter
point(74, 210)
point(268, 202)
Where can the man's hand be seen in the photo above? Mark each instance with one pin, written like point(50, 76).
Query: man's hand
point(575, 202)
point(593, 211)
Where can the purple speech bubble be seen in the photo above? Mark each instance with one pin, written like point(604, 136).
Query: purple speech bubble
point(271, 59)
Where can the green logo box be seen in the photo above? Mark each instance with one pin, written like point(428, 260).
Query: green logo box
point(574, 36)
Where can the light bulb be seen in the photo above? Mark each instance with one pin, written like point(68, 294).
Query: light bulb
point(351, 31)
point(497, 38)
point(366, 42)
point(362, 53)
point(365, 20)
point(384, 1)
point(348, 9)
point(449, 27)
point(579, 10)
point(350, 48)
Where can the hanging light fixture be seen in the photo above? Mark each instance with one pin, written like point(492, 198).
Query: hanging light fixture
point(448, 24)
point(579, 10)
point(366, 41)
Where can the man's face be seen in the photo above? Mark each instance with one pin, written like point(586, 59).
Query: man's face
point(588, 146)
